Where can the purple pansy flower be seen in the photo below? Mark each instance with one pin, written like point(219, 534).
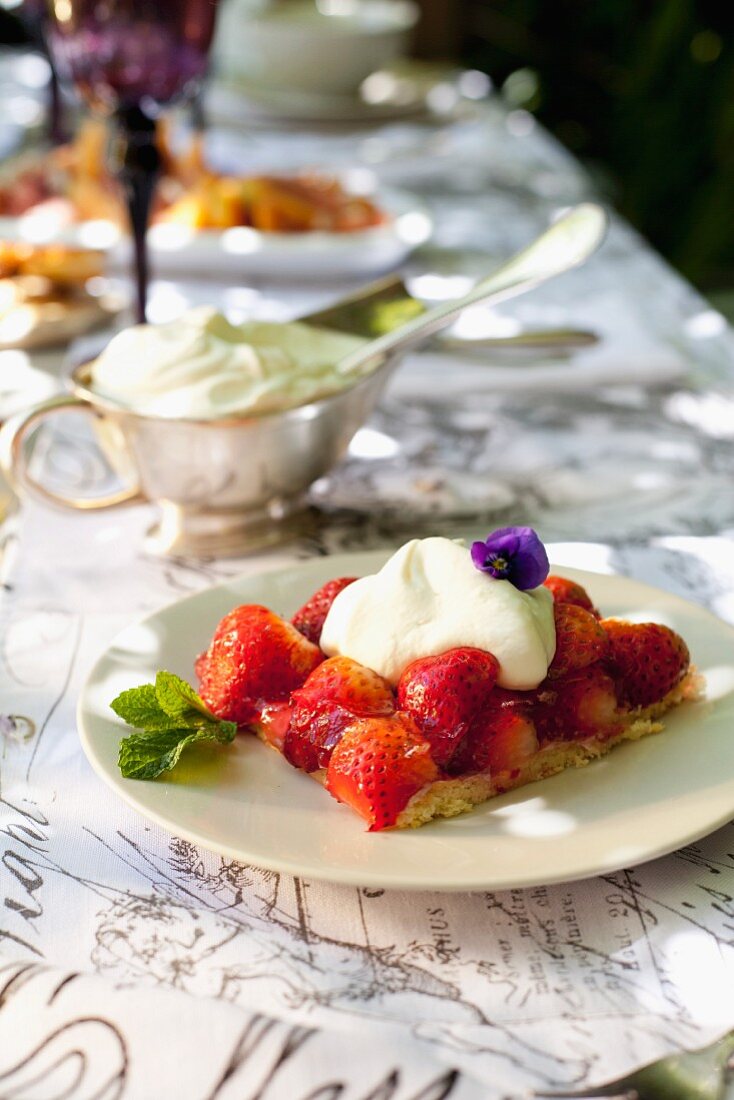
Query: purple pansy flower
point(513, 554)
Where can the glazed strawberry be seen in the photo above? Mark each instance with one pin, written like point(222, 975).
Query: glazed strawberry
point(310, 618)
point(445, 693)
point(255, 657)
point(580, 639)
point(336, 693)
point(581, 704)
point(272, 723)
point(200, 664)
point(378, 765)
point(500, 740)
point(565, 591)
point(647, 660)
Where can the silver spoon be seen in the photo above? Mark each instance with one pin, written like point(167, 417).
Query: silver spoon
point(566, 244)
point(383, 305)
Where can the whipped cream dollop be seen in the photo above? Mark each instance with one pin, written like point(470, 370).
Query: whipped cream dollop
point(428, 598)
point(202, 366)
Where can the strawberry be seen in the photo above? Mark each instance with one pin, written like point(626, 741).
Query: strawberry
point(502, 741)
point(200, 664)
point(647, 660)
point(336, 693)
point(310, 618)
point(581, 704)
point(255, 657)
point(565, 591)
point(378, 765)
point(444, 694)
point(272, 723)
point(580, 639)
point(504, 711)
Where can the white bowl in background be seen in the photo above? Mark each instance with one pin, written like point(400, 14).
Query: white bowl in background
point(324, 47)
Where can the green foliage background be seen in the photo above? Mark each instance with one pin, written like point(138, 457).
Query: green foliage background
point(643, 92)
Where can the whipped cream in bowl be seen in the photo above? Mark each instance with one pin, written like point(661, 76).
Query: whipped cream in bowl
point(429, 598)
point(201, 366)
point(224, 427)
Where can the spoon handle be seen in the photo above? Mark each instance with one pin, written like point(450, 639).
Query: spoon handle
point(568, 242)
point(557, 339)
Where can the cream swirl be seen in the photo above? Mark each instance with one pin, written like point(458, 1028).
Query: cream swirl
point(428, 598)
point(204, 367)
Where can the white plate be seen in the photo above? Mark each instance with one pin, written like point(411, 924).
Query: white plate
point(246, 251)
point(245, 802)
point(237, 103)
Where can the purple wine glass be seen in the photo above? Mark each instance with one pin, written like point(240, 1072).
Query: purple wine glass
point(34, 14)
point(128, 59)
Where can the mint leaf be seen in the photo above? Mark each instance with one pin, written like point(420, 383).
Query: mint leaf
point(148, 755)
point(139, 707)
point(178, 699)
point(169, 715)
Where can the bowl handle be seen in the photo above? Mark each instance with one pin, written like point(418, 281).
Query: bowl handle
point(15, 467)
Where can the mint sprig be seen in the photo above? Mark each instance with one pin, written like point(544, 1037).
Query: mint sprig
point(169, 716)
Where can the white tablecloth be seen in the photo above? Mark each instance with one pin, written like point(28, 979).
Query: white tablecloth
point(135, 965)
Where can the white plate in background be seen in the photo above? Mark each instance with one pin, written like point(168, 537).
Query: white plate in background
point(245, 251)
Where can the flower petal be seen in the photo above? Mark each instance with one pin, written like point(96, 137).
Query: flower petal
point(515, 554)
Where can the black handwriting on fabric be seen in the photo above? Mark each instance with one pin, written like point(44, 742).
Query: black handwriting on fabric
point(262, 1031)
point(75, 1042)
point(30, 881)
point(390, 1089)
point(26, 832)
point(20, 975)
point(258, 1029)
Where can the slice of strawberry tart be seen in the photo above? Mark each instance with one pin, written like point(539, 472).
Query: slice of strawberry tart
point(449, 676)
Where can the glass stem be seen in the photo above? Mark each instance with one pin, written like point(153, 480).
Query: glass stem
point(56, 131)
point(196, 112)
point(136, 162)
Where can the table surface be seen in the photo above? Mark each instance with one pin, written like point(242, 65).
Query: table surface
point(178, 973)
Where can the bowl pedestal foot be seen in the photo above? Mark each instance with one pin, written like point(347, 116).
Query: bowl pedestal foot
point(182, 531)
